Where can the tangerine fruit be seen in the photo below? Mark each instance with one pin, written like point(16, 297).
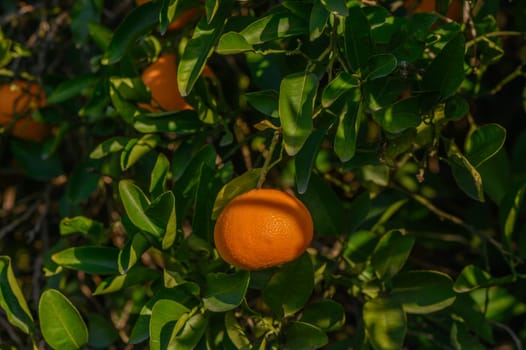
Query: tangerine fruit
point(17, 101)
point(262, 228)
point(161, 78)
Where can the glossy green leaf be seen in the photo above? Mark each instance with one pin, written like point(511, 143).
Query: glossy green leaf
point(81, 224)
point(391, 253)
point(136, 203)
point(318, 20)
point(200, 47)
point(290, 287)
point(301, 335)
point(446, 72)
point(90, 259)
point(385, 324)
point(232, 43)
point(61, 324)
point(111, 145)
point(170, 10)
point(400, 116)
point(235, 331)
point(182, 294)
point(274, 26)
point(132, 252)
point(359, 246)
point(71, 88)
point(465, 174)
point(510, 209)
point(158, 175)
point(327, 315)
point(138, 22)
point(235, 187)
point(472, 277)
point(383, 92)
point(162, 213)
point(12, 300)
point(358, 40)
point(305, 158)
point(347, 132)
point(100, 34)
point(134, 276)
point(456, 108)
point(207, 189)
point(296, 106)
point(191, 333)
point(135, 149)
point(338, 7)
point(83, 180)
point(343, 83)
point(381, 65)
point(465, 307)
point(484, 143)
point(179, 122)
point(358, 211)
point(265, 101)
point(165, 314)
point(225, 292)
point(423, 292)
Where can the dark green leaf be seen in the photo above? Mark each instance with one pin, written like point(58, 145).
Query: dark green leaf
point(158, 175)
point(235, 331)
point(200, 47)
point(102, 332)
point(162, 213)
point(90, 259)
point(232, 43)
point(446, 72)
point(290, 287)
point(465, 307)
point(456, 108)
point(343, 83)
point(191, 333)
point(347, 131)
point(136, 203)
point(179, 122)
point(318, 20)
point(381, 65)
point(327, 314)
point(473, 277)
point(265, 101)
point(274, 26)
point(385, 324)
point(484, 143)
point(391, 253)
point(12, 300)
point(138, 22)
point(509, 211)
point(132, 252)
point(465, 174)
point(358, 41)
point(336, 6)
point(400, 116)
point(360, 246)
point(301, 335)
point(100, 34)
point(225, 292)
point(61, 324)
point(423, 292)
point(296, 105)
point(35, 161)
point(304, 159)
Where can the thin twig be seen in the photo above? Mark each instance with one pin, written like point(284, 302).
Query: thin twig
point(510, 331)
point(266, 165)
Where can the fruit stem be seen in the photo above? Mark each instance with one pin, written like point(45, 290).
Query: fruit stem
point(266, 165)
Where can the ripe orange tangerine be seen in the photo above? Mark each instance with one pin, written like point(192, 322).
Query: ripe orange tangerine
point(263, 228)
point(17, 101)
point(161, 78)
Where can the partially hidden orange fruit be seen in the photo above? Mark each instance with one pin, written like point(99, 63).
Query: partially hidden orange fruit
point(187, 16)
point(428, 6)
point(161, 78)
point(18, 100)
point(263, 228)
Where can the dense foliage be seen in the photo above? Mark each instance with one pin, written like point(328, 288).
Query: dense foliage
point(402, 130)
